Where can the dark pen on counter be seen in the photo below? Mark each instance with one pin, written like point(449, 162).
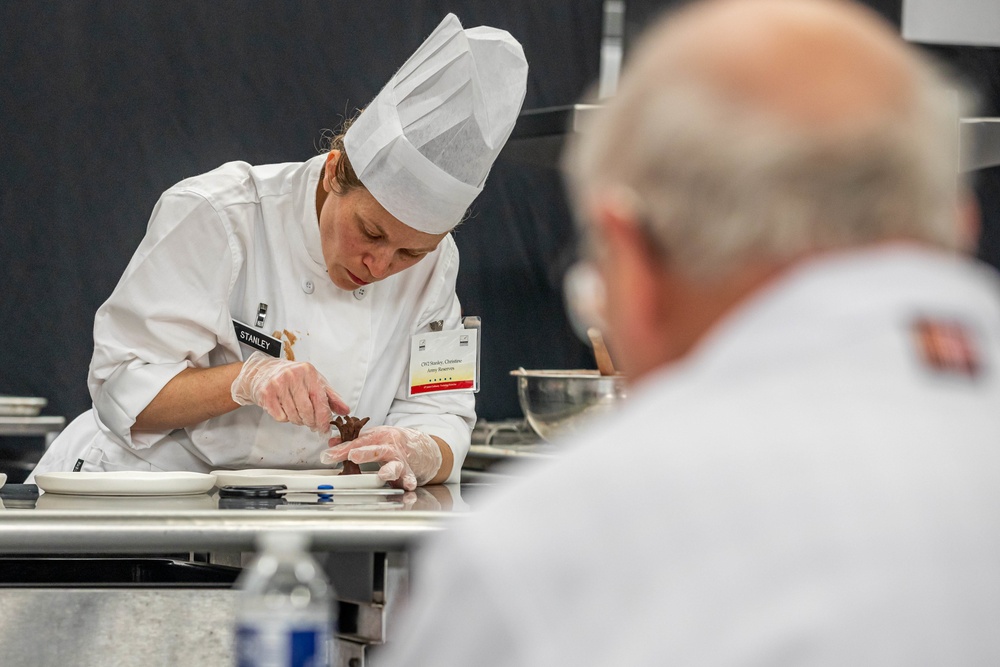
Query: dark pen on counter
point(279, 490)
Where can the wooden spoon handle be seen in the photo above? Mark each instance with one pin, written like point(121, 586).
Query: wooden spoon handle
point(604, 364)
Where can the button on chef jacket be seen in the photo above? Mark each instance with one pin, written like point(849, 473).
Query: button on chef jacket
point(217, 246)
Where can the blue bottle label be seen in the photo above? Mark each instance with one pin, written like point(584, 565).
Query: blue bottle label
point(277, 644)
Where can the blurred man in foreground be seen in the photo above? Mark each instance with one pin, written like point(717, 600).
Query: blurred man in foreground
point(808, 470)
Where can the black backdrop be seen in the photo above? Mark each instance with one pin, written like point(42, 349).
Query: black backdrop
point(106, 104)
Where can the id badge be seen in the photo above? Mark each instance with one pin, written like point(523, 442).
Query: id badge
point(258, 340)
point(444, 361)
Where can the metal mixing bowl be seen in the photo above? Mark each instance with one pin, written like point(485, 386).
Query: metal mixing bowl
point(560, 403)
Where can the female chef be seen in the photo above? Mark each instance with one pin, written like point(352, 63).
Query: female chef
point(264, 299)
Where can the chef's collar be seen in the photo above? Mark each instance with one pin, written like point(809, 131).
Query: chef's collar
point(310, 217)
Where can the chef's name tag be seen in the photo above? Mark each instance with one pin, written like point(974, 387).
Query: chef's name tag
point(257, 339)
point(444, 361)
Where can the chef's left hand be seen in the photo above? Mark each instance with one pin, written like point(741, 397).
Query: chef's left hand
point(409, 458)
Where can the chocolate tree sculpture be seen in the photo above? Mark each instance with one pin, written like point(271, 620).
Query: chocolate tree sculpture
point(349, 428)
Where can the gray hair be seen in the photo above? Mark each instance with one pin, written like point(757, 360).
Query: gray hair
point(718, 184)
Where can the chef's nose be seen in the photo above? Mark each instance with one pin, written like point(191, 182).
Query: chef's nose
point(378, 263)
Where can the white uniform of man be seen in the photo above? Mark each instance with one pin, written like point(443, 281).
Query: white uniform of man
point(248, 236)
point(813, 493)
point(807, 471)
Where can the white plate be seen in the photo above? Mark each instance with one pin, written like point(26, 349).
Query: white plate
point(3, 479)
point(125, 483)
point(296, 480)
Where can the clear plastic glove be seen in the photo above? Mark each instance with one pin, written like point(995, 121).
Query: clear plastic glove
point(409, 458)
point(289, 391)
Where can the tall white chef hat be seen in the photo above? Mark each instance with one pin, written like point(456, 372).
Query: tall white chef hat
point(425, 144)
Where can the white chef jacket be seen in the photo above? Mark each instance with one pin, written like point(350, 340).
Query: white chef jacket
point(217, 246)
point(804, 489)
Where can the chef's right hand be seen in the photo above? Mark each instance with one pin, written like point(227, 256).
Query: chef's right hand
point(289, 391)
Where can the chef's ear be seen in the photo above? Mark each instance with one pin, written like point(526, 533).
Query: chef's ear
point(631, 274)
point(329, 168)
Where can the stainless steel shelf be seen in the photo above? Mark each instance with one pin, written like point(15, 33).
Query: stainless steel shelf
point(980, 143)
point(539, 136)
point(25, 426)
point(32, 426)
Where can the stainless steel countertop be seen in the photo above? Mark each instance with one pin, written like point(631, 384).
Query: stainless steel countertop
point(507, 459)
point(62, 524)
point(87, 531)
point(531, 452)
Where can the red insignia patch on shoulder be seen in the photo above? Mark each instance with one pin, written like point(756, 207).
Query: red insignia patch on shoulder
point(946, 346)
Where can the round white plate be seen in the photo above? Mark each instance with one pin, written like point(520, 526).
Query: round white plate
point(297, 480)
point(125, 483)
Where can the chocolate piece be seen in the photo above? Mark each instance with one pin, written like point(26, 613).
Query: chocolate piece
point(350, 468)
point(349, 428)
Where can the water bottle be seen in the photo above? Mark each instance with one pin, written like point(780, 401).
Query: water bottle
point(285, 614)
